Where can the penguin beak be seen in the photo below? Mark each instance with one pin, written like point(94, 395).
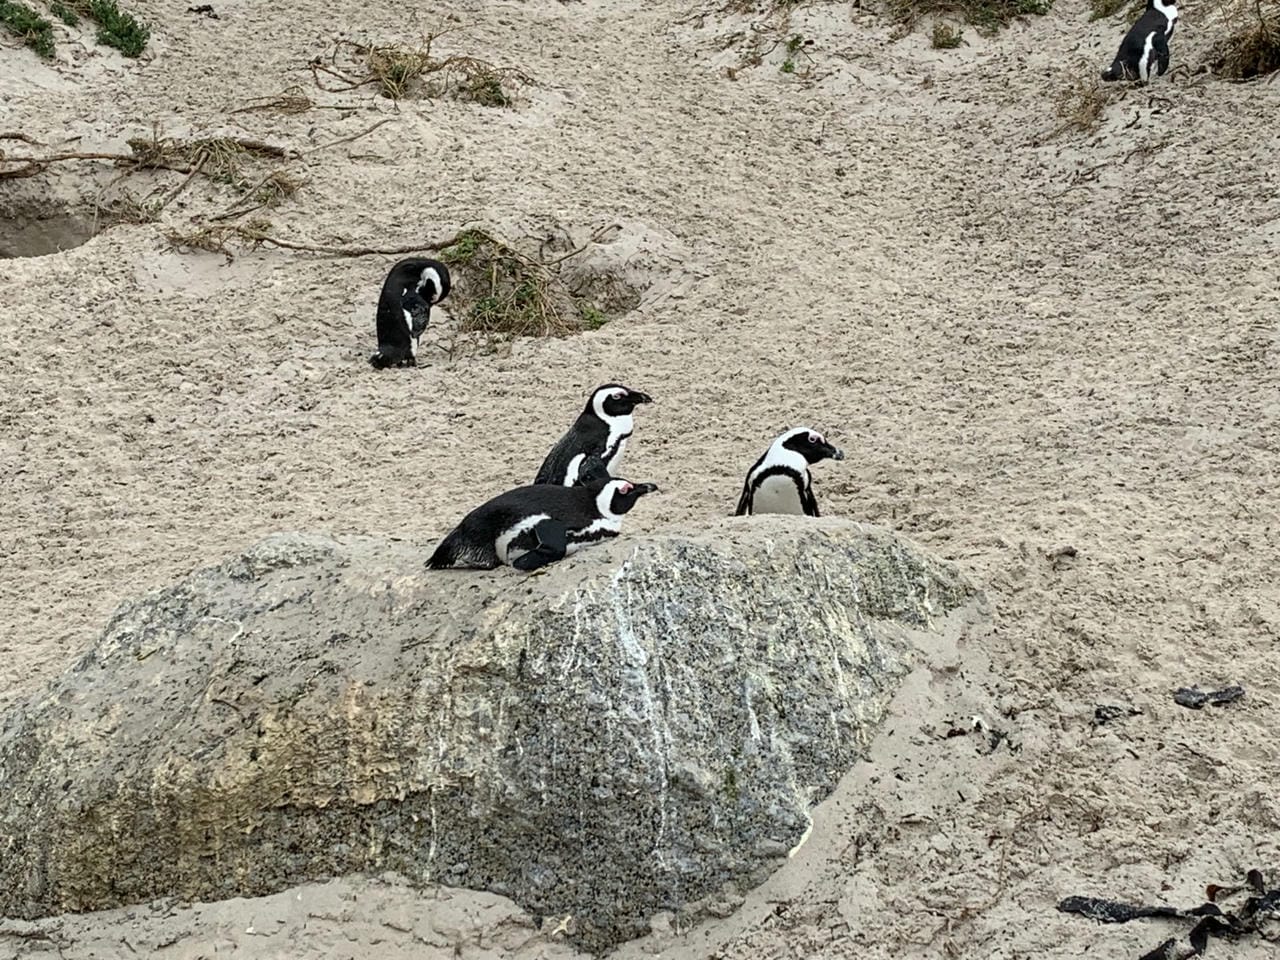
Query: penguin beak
point(638, 397)
point(835, 453)
point(641, 489)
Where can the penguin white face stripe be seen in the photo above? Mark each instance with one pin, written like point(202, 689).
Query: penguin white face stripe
point(620, 428)
point(604, 500)
point(503, 544)
point(431, 277)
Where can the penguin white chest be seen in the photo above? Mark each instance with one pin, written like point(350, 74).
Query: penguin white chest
point(777, 494)
point(615, 461)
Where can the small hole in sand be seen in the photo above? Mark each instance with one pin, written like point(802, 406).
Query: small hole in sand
point(32, 228)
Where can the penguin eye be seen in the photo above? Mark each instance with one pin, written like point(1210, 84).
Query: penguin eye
point(815, 438)
point(625, 488)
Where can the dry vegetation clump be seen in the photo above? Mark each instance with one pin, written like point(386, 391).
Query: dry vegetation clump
point(1101, 9)
point(945, 36)
point(220, 158)
point(401, 71)
point(508, 293)
point(986, 16)
point(1252, 49)
point(1082, 104)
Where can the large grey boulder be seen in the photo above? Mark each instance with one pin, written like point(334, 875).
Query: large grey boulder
point(621, 735)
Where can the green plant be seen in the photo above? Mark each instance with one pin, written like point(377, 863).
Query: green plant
point(23, 22)
point(64, 13)
point(593, 318)
point(116, 28)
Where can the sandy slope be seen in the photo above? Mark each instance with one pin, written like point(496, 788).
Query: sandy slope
point(1021, 344)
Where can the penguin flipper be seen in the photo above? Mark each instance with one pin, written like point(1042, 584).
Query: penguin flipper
point(552, 544)
point(744, 502)
point(1160, 46)
point(808, 502)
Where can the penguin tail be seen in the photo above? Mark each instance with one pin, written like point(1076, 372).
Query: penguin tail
point(446, 554)
point(379, 361)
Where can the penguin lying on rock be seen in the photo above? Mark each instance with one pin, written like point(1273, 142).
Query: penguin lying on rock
point(779, 481)
point(411, 289)
point(1144, 51)
point(532, 526)
point(601, 430)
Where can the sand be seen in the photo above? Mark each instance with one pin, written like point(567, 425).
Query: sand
point(1023, 344)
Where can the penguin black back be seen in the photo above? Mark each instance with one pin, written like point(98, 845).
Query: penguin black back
point(779, 481)
point(531, 526)
point(601, 430)
point(411, 289)
point(1144, 51)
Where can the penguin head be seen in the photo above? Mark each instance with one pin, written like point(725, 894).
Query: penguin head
point(592, 473)
point(618, 496)
point(811, 445)
point(428, 278)
point(614, 400)
point(433, 280)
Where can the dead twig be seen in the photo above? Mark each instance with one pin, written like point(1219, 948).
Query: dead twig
point(357, 136)
point(198, 168)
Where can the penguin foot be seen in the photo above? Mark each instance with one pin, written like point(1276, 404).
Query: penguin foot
point(552, 538)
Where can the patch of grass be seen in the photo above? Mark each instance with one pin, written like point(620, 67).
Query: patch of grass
point(945, 36)
point(593, 318)
point(28, 26)
point(115, 27)
point(985, 16)
point(402, 71)
point(1252, 49)
point(64, 13)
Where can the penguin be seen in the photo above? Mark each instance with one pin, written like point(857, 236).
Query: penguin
point(1144, 52)
point(411, 289)
point(601, 430)
point(779, 481)
point(530, 527)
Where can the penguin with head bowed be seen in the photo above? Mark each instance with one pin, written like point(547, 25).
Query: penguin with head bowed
point(601, 430)
point(532, 526)
point(779, 481)
point(1144, 51)
point(411, 289)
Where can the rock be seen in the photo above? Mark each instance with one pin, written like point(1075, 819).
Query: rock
point(622, 735)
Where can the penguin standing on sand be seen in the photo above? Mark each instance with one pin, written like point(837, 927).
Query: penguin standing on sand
point(1144, 51)
point(532, 526)
point(601, 430)
point(411, 289)
point(779, 481)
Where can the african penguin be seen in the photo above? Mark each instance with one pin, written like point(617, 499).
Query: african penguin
point(1144, 51)
point(411, 289)
point(601, 430)
point(532, 526)
point(779, 481)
